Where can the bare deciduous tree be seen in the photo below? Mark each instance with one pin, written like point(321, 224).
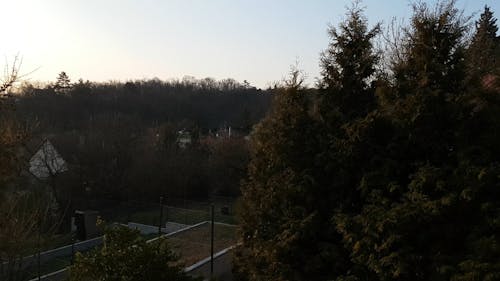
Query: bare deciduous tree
point(10, 75)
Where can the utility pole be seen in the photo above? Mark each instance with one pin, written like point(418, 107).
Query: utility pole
point(72, 248)
point(161, 216)
point(39, 242)
point(212, 244)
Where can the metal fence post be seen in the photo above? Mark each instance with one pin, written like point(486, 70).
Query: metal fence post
point(72, 248)
point(161, 216)
point(212, 243)
point(39, 243)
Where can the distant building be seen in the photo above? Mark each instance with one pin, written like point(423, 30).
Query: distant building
point(184, 138)
point(223, 132)
point(228, 132)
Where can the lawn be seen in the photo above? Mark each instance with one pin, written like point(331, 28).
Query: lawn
point(50, 266)
point(179, 215)
point(174, 210)
point(193, 245)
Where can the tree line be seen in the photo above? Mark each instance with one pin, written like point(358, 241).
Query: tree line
point(108, 132)
point(390, 171)
point(120, 143)
point(205, 103)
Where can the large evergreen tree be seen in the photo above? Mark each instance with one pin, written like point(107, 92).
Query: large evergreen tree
point(297, 175)
point(399, 187)
point(346, 97)
point(484, 50)
point(430, 205)
point(348, 66)
point(279, 228)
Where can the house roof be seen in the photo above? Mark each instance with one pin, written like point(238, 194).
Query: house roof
point(46, 161)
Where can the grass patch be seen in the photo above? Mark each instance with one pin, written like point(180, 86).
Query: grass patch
point(51, 266)
point(193, 245)
point(179, 215)
point(179, 211)
point(149, 236)
point(58, 240)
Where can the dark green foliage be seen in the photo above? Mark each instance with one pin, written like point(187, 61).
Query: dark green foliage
point(404, 188)
point(278, 217)
point(346, 96)
point(427, 211)
point(484, 49)
point(228, 161)
point(348, 65)
point(432, 50)
point(289, 197)
point(126, 256)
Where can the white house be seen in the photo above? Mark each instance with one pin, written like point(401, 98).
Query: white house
point(46, 161)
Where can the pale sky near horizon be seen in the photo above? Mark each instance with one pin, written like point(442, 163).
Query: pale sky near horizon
point(254, 40)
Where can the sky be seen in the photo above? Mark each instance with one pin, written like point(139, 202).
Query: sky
point(253, 40)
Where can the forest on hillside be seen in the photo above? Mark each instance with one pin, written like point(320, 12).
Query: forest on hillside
point(117, 148)
point(108, 132)
point(200, 104)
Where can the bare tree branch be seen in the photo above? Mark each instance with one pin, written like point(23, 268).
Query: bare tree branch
point(10, 75)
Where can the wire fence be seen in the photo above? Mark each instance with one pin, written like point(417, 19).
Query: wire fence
point(168, 215)
point(179, 211)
